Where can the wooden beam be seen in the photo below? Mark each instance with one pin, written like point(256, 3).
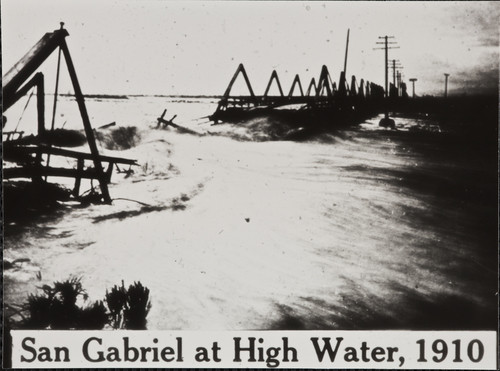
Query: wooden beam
point(30, 172)
point(23, 69)
point(10, 150)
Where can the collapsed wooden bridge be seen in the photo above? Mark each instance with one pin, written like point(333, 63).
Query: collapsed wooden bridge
point(323, 95)
point(31, 154)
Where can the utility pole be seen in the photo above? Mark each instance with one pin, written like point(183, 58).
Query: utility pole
point(346, 49)
point(386, 121)
point(395, 65)
point(386, 47)
point(446, 75)
point(394, 72)
point(413, 85)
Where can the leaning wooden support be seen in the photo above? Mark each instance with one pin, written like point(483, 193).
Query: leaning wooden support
point(342, 89)
point(353, 92)
point(312, 87)
point(324, 82)
point(296, 81)
point(86, 123)
point(361, 91)
point(240, 69)
point(274, 76)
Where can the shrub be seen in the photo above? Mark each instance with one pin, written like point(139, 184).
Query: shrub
point(39, 311)
point(129, 308)
point(56, 308)
point(138, 306)
point(94, 317)
point(116, 300)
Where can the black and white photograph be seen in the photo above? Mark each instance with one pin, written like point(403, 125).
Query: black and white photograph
point(249, 166)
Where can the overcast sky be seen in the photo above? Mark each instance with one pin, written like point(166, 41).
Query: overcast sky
point(164, 47)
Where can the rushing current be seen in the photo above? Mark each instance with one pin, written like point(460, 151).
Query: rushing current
point(364, 228)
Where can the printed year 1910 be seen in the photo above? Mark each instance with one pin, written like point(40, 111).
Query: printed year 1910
point(440, 350)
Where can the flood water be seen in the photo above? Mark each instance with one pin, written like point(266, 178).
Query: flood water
point(365, 228)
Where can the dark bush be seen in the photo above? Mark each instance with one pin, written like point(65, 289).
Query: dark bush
point(94, 317)
point(129, 308)
point(138, 306)
point(57, 308)
point(64, 312)
point(116, 300)
point(38, 308)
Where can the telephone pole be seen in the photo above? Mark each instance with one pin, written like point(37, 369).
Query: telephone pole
point(346, 49)
point(386, 121)
point(413, 85)
point(446, 75)
point(395, 65)
point(386, 47)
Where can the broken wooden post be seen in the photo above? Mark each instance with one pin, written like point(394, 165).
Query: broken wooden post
point(160, 119)
point(109, 171)
point(165, 123)
point(78, 179)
